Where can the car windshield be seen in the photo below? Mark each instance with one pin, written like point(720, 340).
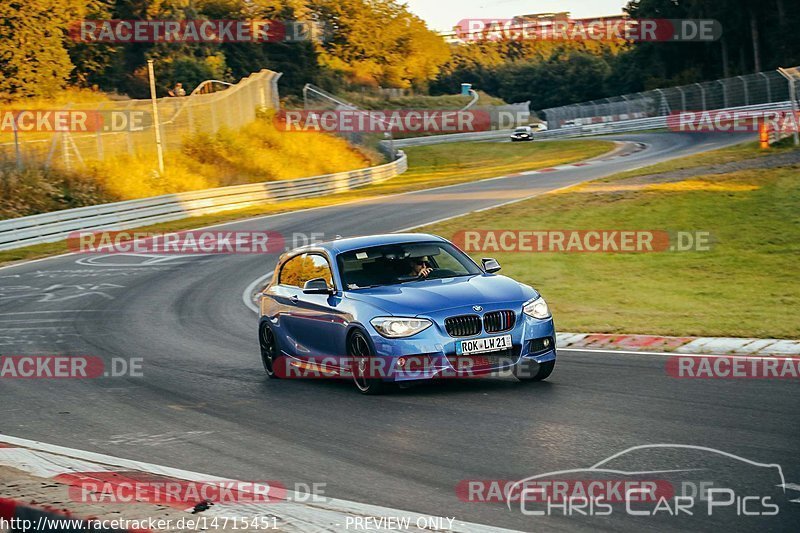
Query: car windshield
point(521, 130)
point(398, 263)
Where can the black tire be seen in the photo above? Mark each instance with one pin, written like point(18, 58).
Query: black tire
point(359, 351)
point(542, 372)
point(269, 350)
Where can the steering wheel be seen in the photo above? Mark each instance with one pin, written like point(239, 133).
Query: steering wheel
point(441, 273)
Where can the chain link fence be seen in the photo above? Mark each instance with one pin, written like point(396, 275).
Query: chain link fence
point(496, 117)
point(318, 99)
point(748, 90)
point(126, 127)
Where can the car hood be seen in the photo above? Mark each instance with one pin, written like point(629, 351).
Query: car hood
point(425, 297)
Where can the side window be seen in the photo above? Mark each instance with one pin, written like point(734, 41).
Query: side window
point(319, 268)
point(302, 268)
point(291, 272)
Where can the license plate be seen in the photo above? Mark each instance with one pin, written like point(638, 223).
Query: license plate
point(487, 344)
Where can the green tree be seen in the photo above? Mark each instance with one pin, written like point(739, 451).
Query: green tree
point(378, 42)
point(566, 77)
point(33, 55)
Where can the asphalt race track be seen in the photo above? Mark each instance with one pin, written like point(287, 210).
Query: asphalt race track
point(204, 403)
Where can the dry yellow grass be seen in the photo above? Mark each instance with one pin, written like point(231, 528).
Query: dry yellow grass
point(256, 153)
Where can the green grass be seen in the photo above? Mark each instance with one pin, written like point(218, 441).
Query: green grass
point(748, 285)
point(429, 166)
point(445, 164)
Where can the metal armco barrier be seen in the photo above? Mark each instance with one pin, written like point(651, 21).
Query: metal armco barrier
point(56, 226)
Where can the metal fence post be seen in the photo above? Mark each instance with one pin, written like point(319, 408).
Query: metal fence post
point(190, 117)
point(792, 79)
point(746, 90)
point(769, 88)
point(129, 142)
point(276, 99)
point(702, 95)
point(663, 104)
point(17, 151)
point(627, 105)
point(65, 149)
point(724, 93)
point(156, 125)
point(99, 144)
point(214, 125)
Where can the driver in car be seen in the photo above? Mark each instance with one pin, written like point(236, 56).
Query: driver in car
point(420, 267)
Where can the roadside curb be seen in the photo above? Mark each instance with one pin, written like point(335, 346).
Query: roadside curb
point(690, 345)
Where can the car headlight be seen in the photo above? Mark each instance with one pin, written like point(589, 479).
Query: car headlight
point(397, 327)
point(537, 308)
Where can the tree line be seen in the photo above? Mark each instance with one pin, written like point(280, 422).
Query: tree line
point(367, 42)
point(756, 36)
point(380, 43)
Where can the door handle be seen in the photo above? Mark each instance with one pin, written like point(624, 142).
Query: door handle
point(294, 299)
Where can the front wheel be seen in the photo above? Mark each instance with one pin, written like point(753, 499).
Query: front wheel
point(526, 372)
point(361, 364)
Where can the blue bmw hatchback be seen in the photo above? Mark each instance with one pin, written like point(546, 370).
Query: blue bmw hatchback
point(389, 309)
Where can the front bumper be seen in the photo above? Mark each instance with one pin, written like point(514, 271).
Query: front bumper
point(431, 354)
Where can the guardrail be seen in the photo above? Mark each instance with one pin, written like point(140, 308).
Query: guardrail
point(602, 128)
point(56, 226)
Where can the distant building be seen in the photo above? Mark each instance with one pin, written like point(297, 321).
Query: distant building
point(459, 36)
point(455, 36)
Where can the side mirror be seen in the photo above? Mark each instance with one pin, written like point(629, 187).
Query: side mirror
point(317, 286)
point(490, 265)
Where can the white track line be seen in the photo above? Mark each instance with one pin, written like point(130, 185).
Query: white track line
point(248, 292)
point(247, 295)
point(70, 459)
point(263, 217)
point(482, 209)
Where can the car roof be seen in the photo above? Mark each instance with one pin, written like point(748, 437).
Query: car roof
point(355, 243)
